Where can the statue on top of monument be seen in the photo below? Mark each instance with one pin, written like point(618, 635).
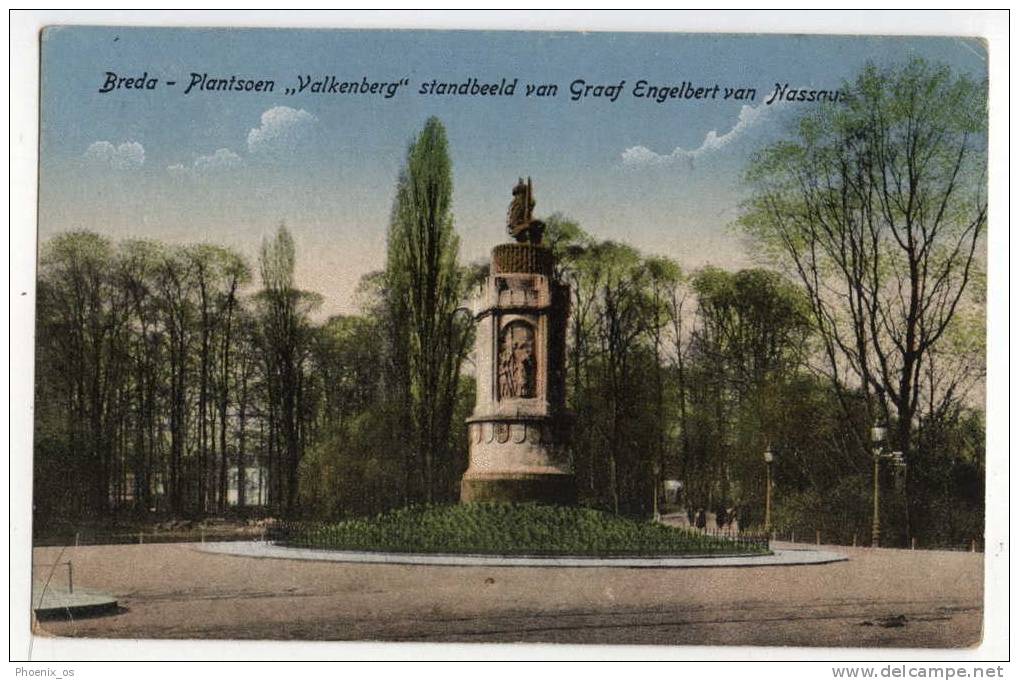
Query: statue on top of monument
point(520, 222)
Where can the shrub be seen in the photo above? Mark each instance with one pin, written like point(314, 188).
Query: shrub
point(510, 529)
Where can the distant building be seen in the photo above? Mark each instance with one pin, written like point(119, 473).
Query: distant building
point(673, 492)
point(256, 488)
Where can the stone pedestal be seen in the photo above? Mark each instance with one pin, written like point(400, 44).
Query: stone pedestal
point(519, 430)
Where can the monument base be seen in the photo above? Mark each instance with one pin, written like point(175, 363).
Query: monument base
point(546, 488)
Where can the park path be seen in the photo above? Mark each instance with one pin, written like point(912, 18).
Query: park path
point(880, 597)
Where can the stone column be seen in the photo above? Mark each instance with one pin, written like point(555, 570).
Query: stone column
point(519, 430)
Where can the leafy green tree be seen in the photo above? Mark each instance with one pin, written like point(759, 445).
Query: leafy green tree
point(244, 377)
point(567, 240)
point(285, 335)
point(349, 470)
point(136, 272)
point(750, 336)
point(753, 322)
point(425, 290)
point(235, 273)
point(218, 272)
point(877, 206)
point(618, 307)
point(664, 276)
point(82, 319)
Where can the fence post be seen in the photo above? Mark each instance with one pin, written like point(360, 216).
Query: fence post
point(854, 539)
point(70, 578)
point(972, 545)
point(140, 538)
point(817, 534)
point(202, 532)
point(77, 537)
point(793, 540)
point(912, 544)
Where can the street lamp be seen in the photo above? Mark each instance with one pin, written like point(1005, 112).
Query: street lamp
point(877, 438)
point(769, 458)
point(655, 477)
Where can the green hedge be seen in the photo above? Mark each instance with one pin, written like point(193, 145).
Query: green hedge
point(510, 529)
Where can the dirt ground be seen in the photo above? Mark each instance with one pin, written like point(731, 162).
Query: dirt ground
point(883, 597)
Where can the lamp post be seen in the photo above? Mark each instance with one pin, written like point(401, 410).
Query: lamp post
point(877, 438)
point(655, 475)
point(769, 458)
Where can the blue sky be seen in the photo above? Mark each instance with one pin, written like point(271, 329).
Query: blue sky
point(228, 167)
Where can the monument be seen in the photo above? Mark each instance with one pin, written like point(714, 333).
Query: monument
point(519, 430)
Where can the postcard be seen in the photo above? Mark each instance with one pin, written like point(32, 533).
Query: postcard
point(490, 336)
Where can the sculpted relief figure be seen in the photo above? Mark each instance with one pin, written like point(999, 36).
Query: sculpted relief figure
point(517, 369)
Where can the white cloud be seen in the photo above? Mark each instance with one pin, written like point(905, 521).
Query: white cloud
point(124, 156)
point(282, 130)
point(220, 160)
point(749, 116)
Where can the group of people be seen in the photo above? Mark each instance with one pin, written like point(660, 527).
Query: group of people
point(725, 519)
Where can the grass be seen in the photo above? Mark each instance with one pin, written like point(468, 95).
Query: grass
point(509, 529)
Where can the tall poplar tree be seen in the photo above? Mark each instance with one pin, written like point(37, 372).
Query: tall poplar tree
point(424, 289)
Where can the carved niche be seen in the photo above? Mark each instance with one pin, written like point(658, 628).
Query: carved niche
point(517, 363)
